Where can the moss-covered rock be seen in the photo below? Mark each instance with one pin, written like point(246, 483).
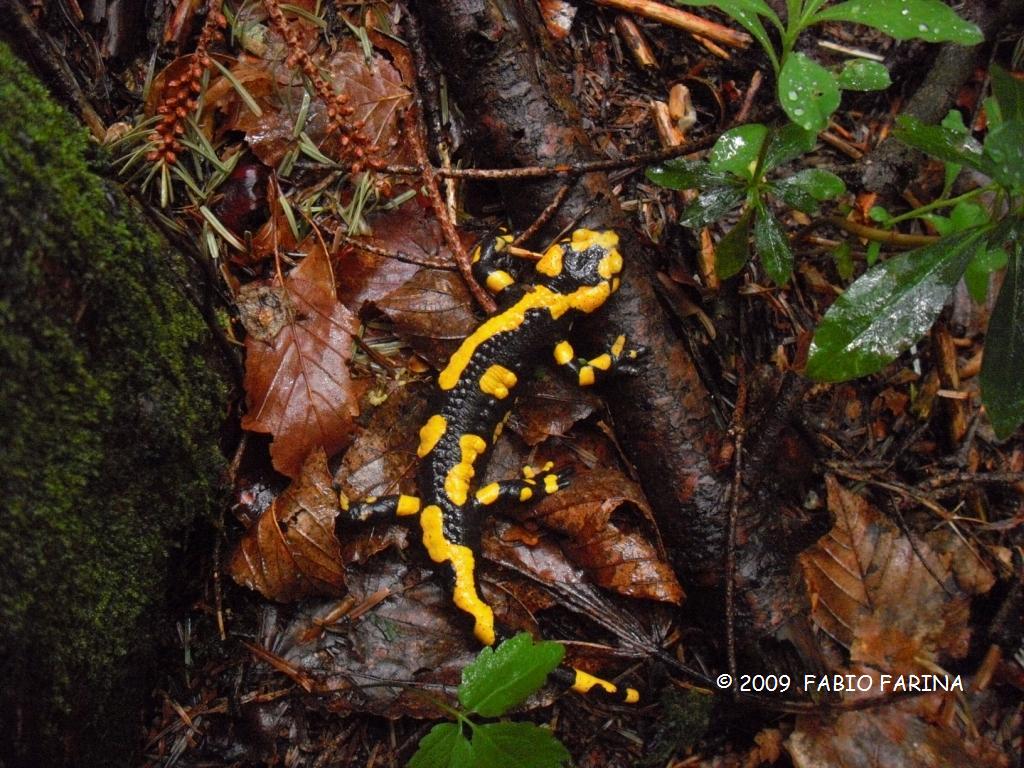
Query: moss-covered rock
point(110, 417)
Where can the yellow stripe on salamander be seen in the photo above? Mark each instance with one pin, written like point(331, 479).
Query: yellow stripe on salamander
point(456, 483)
point(497, 381)
point(466, 598)
point(430, 433)
point(585, 299)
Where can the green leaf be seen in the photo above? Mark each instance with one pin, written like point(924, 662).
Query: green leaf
point(517, 745)
point(1002, 385)
point(864, 75)
point(443, 747)
point(879, 214)
point(1009, 92)
point(712, 205)
point(500, 679)
point(986, 261)
point(807, 188)
point(1004, 146)
point(788, 143)
point(773, 246)
point(942, 143)
point(737, 150)
point(686, 174)
point(930, 20)
point(733, 249)
point(872, 253)
point(807, 92)
point(888, 308)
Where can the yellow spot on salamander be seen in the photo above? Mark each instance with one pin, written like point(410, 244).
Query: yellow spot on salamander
point(488, 494)
point(343, 500)
point(550, 484)
point(456, 483)
point(586, 376)
point(497, 381)
point(610, 265)
point(604, 362)
point(618, 346)
point(564, 352)
point(588, 238)
point(550, 263)
point(585, 299)
point(407, 505)
point(430, 433)
point(461, 558)
point(475, 256)
point(499, 280)
point(526, 493)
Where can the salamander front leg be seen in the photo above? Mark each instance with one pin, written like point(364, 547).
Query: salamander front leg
point(537, 481)
point(492, 264)
point(617, 359)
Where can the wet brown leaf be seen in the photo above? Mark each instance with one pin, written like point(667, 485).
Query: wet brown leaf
point(433, 310)
point(410, 231)
point(616, 555)
point(550, 406)
point(297, 383)
point(402, 643)
point(884, 737)
point(890, 600)
point(291, 552)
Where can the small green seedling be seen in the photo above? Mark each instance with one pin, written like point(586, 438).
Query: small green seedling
point(736, 173)
point(895, 302)
point(497, 681)
point(807, 91)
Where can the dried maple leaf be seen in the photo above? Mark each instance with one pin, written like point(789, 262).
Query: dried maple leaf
point(291, 552)
point(892, 601)
point(297, 383)
point(616, 557)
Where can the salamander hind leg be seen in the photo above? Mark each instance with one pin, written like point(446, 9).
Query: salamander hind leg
point(537, 482)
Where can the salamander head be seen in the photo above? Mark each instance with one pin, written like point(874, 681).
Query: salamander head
point(589, 258)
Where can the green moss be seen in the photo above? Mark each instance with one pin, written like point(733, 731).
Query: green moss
point(110, 418)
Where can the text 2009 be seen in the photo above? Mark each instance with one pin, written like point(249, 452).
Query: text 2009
point(765, 683)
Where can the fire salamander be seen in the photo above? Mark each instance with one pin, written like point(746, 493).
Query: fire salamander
point(476, 392)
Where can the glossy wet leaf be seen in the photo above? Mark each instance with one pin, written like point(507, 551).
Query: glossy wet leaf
point(517, 745)
point(864, 75)
point(888, 308)
point(986, 261)
point(773, 246)
point(501, 678)
point(711, 206)
point(943, 143)
point(443, 747)
point(1004, 146)
point(737, 150)
point(930, 20)
point(804, 190)
point(788, 143)
point(291, 551)
point(1009, 92)
point(297, 381)
point(807, 92)
point(1002, 385)
point(733, 249)
point(686, 174)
